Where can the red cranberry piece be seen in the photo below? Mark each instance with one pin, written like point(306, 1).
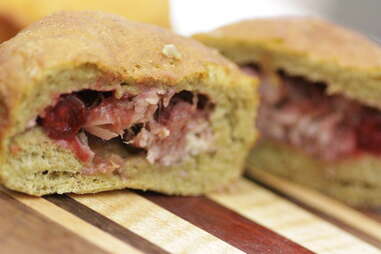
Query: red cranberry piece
point(369, 134)
point(65, 119)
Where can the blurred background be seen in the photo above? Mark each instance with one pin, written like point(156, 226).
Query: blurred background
point(16, 14)
point(202, 15)
point(188, 17)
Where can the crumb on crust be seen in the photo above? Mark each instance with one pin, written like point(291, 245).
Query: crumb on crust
point(170, 50)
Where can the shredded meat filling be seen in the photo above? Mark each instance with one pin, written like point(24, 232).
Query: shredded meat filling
point(301, 113)
point(168, 126)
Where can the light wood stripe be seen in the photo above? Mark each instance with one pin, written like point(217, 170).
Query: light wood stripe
point(74, 224)
point(289, 220)
point(154, 223)
point(324, 204)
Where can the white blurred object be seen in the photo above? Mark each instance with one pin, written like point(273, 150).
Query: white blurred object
point(189, 17)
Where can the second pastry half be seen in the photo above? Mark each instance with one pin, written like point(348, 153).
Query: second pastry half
point(320, 118)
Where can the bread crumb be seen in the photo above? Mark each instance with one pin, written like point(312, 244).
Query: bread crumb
point(31, 123)
point(170, 50)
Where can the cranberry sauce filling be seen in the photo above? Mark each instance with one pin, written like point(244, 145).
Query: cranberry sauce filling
point(301, 113)
point(160, 122)
point(65, 119)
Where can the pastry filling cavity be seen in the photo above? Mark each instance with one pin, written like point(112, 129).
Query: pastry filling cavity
point(165, 125)
point(301, 113)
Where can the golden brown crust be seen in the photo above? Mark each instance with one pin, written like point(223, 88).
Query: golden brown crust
point(346, 61)
point(108, 41)
point(321, 40)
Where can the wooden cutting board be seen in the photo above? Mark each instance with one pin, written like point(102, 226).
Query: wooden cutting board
point(267, 215)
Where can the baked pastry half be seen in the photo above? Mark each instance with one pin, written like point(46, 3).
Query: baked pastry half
point(93, 102)
point(320, 113)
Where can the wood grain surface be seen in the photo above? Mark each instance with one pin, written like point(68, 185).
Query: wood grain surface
point(327, 208)
point(40, 207)
point(267, 215)
point(154, 223)
point(374, 213)
point(104, 224)
point(226, 224)
point(288, 219)
point(23, 231)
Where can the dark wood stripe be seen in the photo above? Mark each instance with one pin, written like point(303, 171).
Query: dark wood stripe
point(24, 230)
point(374, 213)
point(226, 224)
point(356, 232)
point(104, 223)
